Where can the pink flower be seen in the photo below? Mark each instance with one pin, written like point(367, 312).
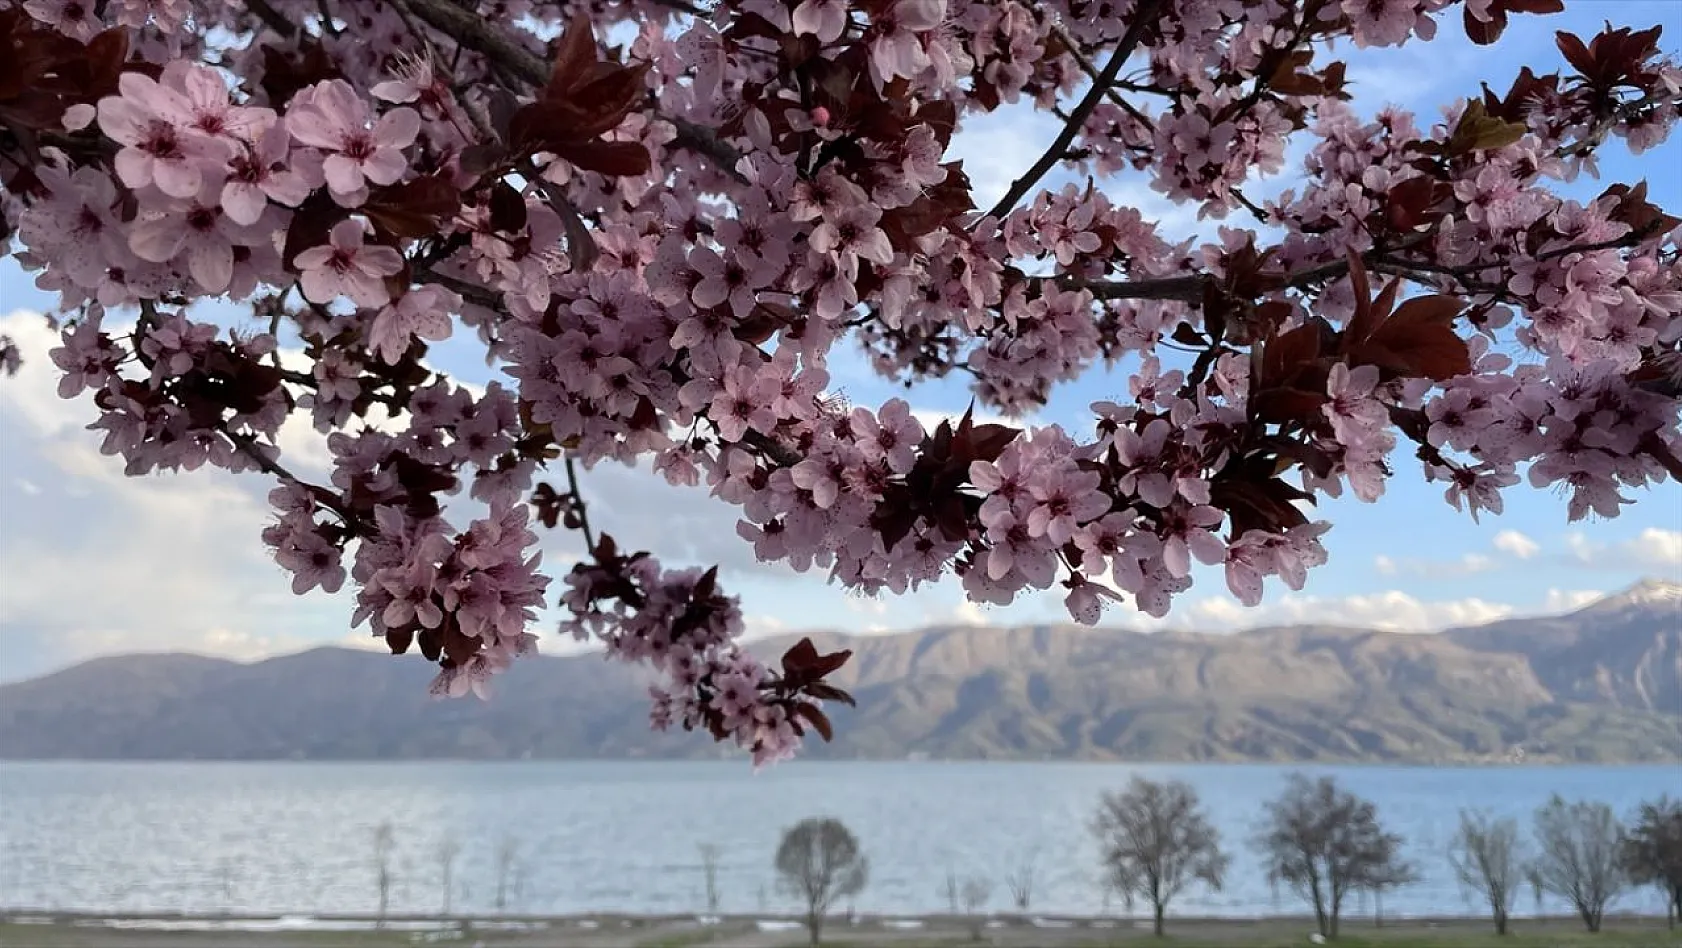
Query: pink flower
point(422, 312)
point(73, 18)
point(202, 103)
point(892, 435)
point(348, 267)
point(159, 148)
point(825, 19)
point(199, 230)
point(1062, 501)
point(331, 116)
point(851, 234)
point(259, 172)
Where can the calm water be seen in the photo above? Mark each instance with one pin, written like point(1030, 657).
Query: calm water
point(598, 837)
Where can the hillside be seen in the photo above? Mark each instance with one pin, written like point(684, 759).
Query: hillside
point(1600, 684)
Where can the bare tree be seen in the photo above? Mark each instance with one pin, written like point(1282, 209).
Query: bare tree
point(1394, 876)
point(1325, 843)
point(709, 873)
point(1488, 859)
point(448, 849)
point(1652, 853)
point(1579, 858)
point(1020, 881)
point(819, 862)
point(1155, 841)
point(952, 891)
point(507, 871)
point(384, 838)
point(976, 893)
point(225, 872)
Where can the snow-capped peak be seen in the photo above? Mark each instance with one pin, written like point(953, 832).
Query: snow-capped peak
point(1648, 592)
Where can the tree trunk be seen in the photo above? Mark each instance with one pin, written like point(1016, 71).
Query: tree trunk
point(1378, 908)
point(1591, 918)
point(814, 925)
point(1320, 914)
point(1500, 921)
point(1160, 910)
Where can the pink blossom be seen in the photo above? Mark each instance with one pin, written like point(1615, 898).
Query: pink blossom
point(423, 312)
point(159, 148)
point(360, 150)
point(348, 267)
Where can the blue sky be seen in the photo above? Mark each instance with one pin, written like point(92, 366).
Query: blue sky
point(95, 563)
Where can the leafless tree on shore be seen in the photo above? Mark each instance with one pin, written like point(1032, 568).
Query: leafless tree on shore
point(384, 839)
point(1579, 856)
point(507, 871)
point(449, 848)
point(1653, 852)
point(819, 862)
point(709, 874)
point(1156, 841)
point(1326, 843)
point(1020, 881)
point(976, 893)
point(1488, 858)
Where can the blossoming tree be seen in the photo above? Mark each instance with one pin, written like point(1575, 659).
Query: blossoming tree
point(658, 243)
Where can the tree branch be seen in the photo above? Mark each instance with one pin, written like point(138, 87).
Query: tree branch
point(272, 18)
point(472, 31)
point(579, 506)
point(1100, 87)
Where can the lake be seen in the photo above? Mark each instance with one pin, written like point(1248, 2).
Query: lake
point(596, 837)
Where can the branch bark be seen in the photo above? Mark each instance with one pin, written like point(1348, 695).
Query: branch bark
point(1145, 12)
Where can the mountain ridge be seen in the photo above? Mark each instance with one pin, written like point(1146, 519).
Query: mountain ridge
point(1597, 684)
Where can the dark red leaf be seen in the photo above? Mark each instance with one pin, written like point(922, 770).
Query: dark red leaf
point(480, 158)
point(412, 209)
point(802, 655)
point(616, 159)
point(824, 692)
point(1282, 355)
point(1577, 54)
point(820, 721)
point(508, 208)
point(1419, 340)
point(575, 52)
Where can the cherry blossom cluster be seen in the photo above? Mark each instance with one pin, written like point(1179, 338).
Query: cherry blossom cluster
point(658, 244)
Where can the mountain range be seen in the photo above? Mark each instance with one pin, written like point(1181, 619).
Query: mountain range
point(1601, 684)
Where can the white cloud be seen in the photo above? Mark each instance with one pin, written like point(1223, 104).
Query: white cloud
point(1653, 548)
point(1384, 564)
point(32, 395)
point(28, 487)
point(1656, 547)
point(1570, 600)
point(1392, 610)
point(1516, 544)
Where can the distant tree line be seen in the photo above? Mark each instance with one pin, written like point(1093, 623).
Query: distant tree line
point(1316, 839)
point(1327, 844)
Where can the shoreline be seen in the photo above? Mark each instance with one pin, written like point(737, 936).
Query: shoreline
point(21, 916)
point(161, 930)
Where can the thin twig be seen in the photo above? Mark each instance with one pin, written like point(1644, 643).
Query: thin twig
point(272, 18)
point(1091, 70)
point(579, 506)
point(1145, 12)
